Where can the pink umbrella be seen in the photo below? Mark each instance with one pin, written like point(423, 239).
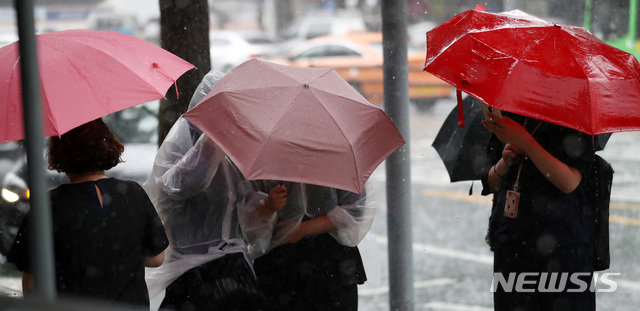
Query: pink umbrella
point(296, 124)
point(85, 74)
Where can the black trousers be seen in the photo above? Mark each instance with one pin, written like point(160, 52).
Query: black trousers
point(315, 274)
point(571, 259)
point(225, 284)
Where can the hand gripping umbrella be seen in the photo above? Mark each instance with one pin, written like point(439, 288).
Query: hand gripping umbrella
point(296, 124)
point(85, 75)
point(463, 149)
point(523, 64)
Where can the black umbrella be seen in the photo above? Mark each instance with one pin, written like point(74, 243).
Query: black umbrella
point(463, 150)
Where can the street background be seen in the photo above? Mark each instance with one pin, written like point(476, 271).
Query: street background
point(452, 265)
point(451, 262)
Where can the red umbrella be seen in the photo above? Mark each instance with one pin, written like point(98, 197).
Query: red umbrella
point(520, 63)
point(296, 124)
point(85, 74)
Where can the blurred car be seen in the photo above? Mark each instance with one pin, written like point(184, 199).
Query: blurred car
point(312, 26)
point(358, 58)
point(10, 153)
point(231, 48)
point(14, 200)
point(136, 127)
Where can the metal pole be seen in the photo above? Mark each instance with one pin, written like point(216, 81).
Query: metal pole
point(41, 239)
point(396, 103)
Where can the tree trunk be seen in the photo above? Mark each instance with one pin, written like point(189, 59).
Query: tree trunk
point(184, 31)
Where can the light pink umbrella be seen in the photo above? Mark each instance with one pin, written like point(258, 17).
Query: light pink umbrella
point(296, 124)
point(85, 75)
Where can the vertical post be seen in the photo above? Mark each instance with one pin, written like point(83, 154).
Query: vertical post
point(41, 239)
point(396, 103)
point(632, 35)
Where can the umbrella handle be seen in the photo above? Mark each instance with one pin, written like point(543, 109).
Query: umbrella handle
point(460, 111)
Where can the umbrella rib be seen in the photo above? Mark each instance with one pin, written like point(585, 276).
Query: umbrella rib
point(7, 96)
point(559, 70)
point(74, 81)
point(53, 116)
point(80, 73)
point(275, 124)
point(116, 60)
point(358, 169)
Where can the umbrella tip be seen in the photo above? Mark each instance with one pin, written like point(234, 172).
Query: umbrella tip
point(306, 85)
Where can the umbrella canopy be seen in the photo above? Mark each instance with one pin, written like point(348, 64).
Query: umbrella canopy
point(463, 149)
point(520, 63)
point(296, 124)
point(85, 74)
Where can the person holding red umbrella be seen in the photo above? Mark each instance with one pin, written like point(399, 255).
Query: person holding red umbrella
point(540, 221)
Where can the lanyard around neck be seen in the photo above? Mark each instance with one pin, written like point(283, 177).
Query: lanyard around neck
point(515, 184)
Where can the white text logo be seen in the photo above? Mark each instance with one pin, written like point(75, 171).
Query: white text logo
point(554, 282)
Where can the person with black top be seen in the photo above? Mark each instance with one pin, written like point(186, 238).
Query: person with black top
point(105, 230)
point(312, 261)
point(540, 221)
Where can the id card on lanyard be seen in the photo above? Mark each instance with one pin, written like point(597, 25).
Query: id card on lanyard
point(513, 196)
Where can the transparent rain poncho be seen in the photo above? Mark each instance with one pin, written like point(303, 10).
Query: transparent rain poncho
point(351, 213)
point(201, 197)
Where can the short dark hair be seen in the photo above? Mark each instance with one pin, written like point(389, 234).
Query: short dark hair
point(87, 148)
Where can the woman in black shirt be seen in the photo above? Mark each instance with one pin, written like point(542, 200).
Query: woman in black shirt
point(540, 222)
point(105, 230)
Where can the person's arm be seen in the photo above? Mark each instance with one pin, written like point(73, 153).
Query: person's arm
point(510, 154)
point(348, 217)
point(258, 217)
point(353, 216)
point(275, 201)
point(154, 261)
point(315, 226)
point(562, 176)
point(28, 283)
